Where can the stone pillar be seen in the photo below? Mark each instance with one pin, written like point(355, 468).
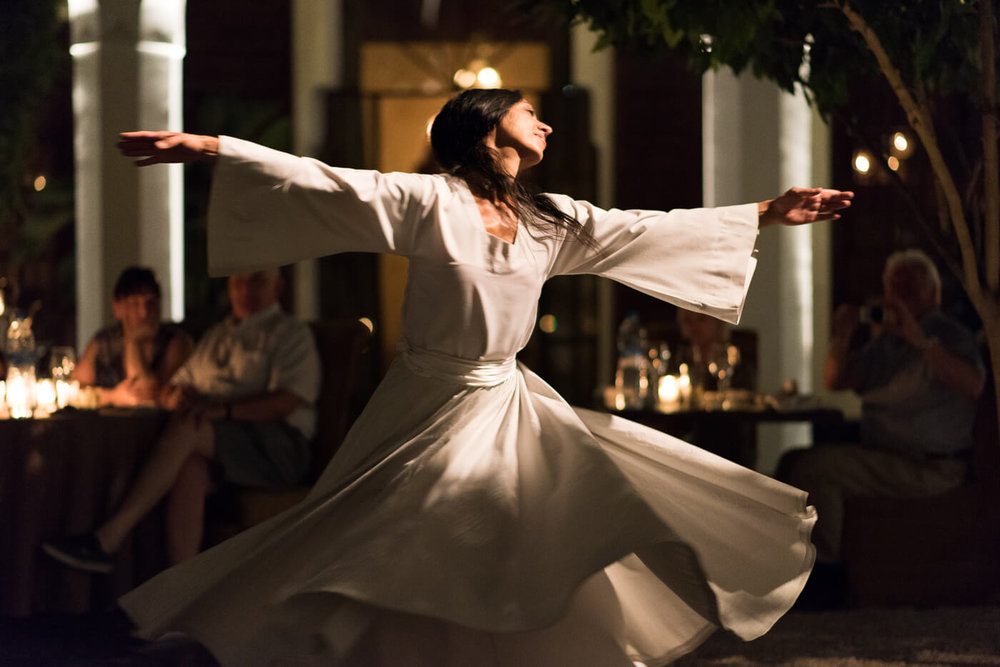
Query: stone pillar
point(595, 71)
point(317, 67)
point(127, 57)
point(758, 142)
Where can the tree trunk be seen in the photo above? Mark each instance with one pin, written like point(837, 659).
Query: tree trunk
point(991, 327)
point(991, 168)
point(983, 298)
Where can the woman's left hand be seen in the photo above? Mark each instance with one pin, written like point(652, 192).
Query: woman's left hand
point(801, 206)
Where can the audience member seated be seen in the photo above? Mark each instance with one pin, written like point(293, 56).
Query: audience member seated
point(918, 377)
point(244, 413)
point(130, 361)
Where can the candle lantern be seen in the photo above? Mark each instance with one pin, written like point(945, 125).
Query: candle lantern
point(20, 392)
point(45, 397)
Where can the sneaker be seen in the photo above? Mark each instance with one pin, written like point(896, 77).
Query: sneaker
point(82, 552)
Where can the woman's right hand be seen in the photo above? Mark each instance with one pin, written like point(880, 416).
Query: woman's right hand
point(178, 397)
point(163, 147)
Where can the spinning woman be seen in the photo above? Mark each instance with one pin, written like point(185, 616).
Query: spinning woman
point(472, 516)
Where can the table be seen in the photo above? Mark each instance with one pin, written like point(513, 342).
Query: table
point(63, 475)
point(729, 433)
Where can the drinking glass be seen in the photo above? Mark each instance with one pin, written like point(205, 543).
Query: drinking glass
point(62, 362)
point(722, 365)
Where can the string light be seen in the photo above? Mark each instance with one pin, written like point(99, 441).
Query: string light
point(862, 163)
point(900, 142)
point(478, 75)
point(488, 78)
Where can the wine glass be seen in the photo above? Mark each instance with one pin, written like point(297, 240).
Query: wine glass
point(62, 362)
point(721, 363)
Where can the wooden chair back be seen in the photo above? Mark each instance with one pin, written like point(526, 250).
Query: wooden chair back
point(342, 344)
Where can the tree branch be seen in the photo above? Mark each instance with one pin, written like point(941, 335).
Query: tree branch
point(933, 234)
point(919, 117)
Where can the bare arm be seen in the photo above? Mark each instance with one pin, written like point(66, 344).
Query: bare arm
point(801, 206)
point(86, 369)
point(952, 370)
point(145, 382)
point(134, 360)
point(836, 374)
point(270, 406)
point(958, 374)
point(178, 350)
point(159, 147)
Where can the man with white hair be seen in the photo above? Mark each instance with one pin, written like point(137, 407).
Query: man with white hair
point(919, 377)
point(244, 411)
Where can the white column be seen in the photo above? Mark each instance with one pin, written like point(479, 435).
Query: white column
point(595, 71)
point(758, 142)
point(127, 57)
point(317, 67)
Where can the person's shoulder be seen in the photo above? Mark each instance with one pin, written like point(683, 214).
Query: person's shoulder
point(412, 180)
point(292, 333)
point(565, 203)
point(212, 332)
point(289, 323)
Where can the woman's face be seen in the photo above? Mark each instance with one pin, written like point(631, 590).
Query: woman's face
point(139, 313)
point(521, 131)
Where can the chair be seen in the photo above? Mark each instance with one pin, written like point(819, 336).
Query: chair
point(341, 344)
point(931, 551)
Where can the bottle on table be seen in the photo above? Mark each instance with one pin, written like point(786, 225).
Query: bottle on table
point(21, 358)
point(633, 376)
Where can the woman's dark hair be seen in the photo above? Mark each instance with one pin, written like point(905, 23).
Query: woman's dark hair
point(457, 140)
point(136, 280)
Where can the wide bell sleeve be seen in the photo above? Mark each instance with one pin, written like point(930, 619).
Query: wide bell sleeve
point(699, 259)
point(269, 208)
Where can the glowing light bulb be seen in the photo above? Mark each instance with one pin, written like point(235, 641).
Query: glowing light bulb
point(900, 142)
point(862, 163)
point(488, 78)
point(464, 78)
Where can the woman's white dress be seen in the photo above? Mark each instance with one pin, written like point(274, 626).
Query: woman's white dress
point(472, 516)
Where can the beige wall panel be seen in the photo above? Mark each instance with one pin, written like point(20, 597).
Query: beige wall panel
point(428, 67)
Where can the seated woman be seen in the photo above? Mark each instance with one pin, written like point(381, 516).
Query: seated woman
point(130, 361)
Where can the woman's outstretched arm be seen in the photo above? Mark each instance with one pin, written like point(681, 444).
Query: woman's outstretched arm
point(162, 147)
point(269, 208)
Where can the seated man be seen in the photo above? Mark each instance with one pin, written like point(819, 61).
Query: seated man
point(244, 406)
point(130, 361)
point(918, 377)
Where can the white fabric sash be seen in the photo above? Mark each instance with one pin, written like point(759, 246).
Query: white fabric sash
point(469, 372)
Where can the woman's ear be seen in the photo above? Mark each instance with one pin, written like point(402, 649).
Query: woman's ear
point(490, 140)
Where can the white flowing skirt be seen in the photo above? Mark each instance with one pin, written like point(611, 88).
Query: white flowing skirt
point(463, 524)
